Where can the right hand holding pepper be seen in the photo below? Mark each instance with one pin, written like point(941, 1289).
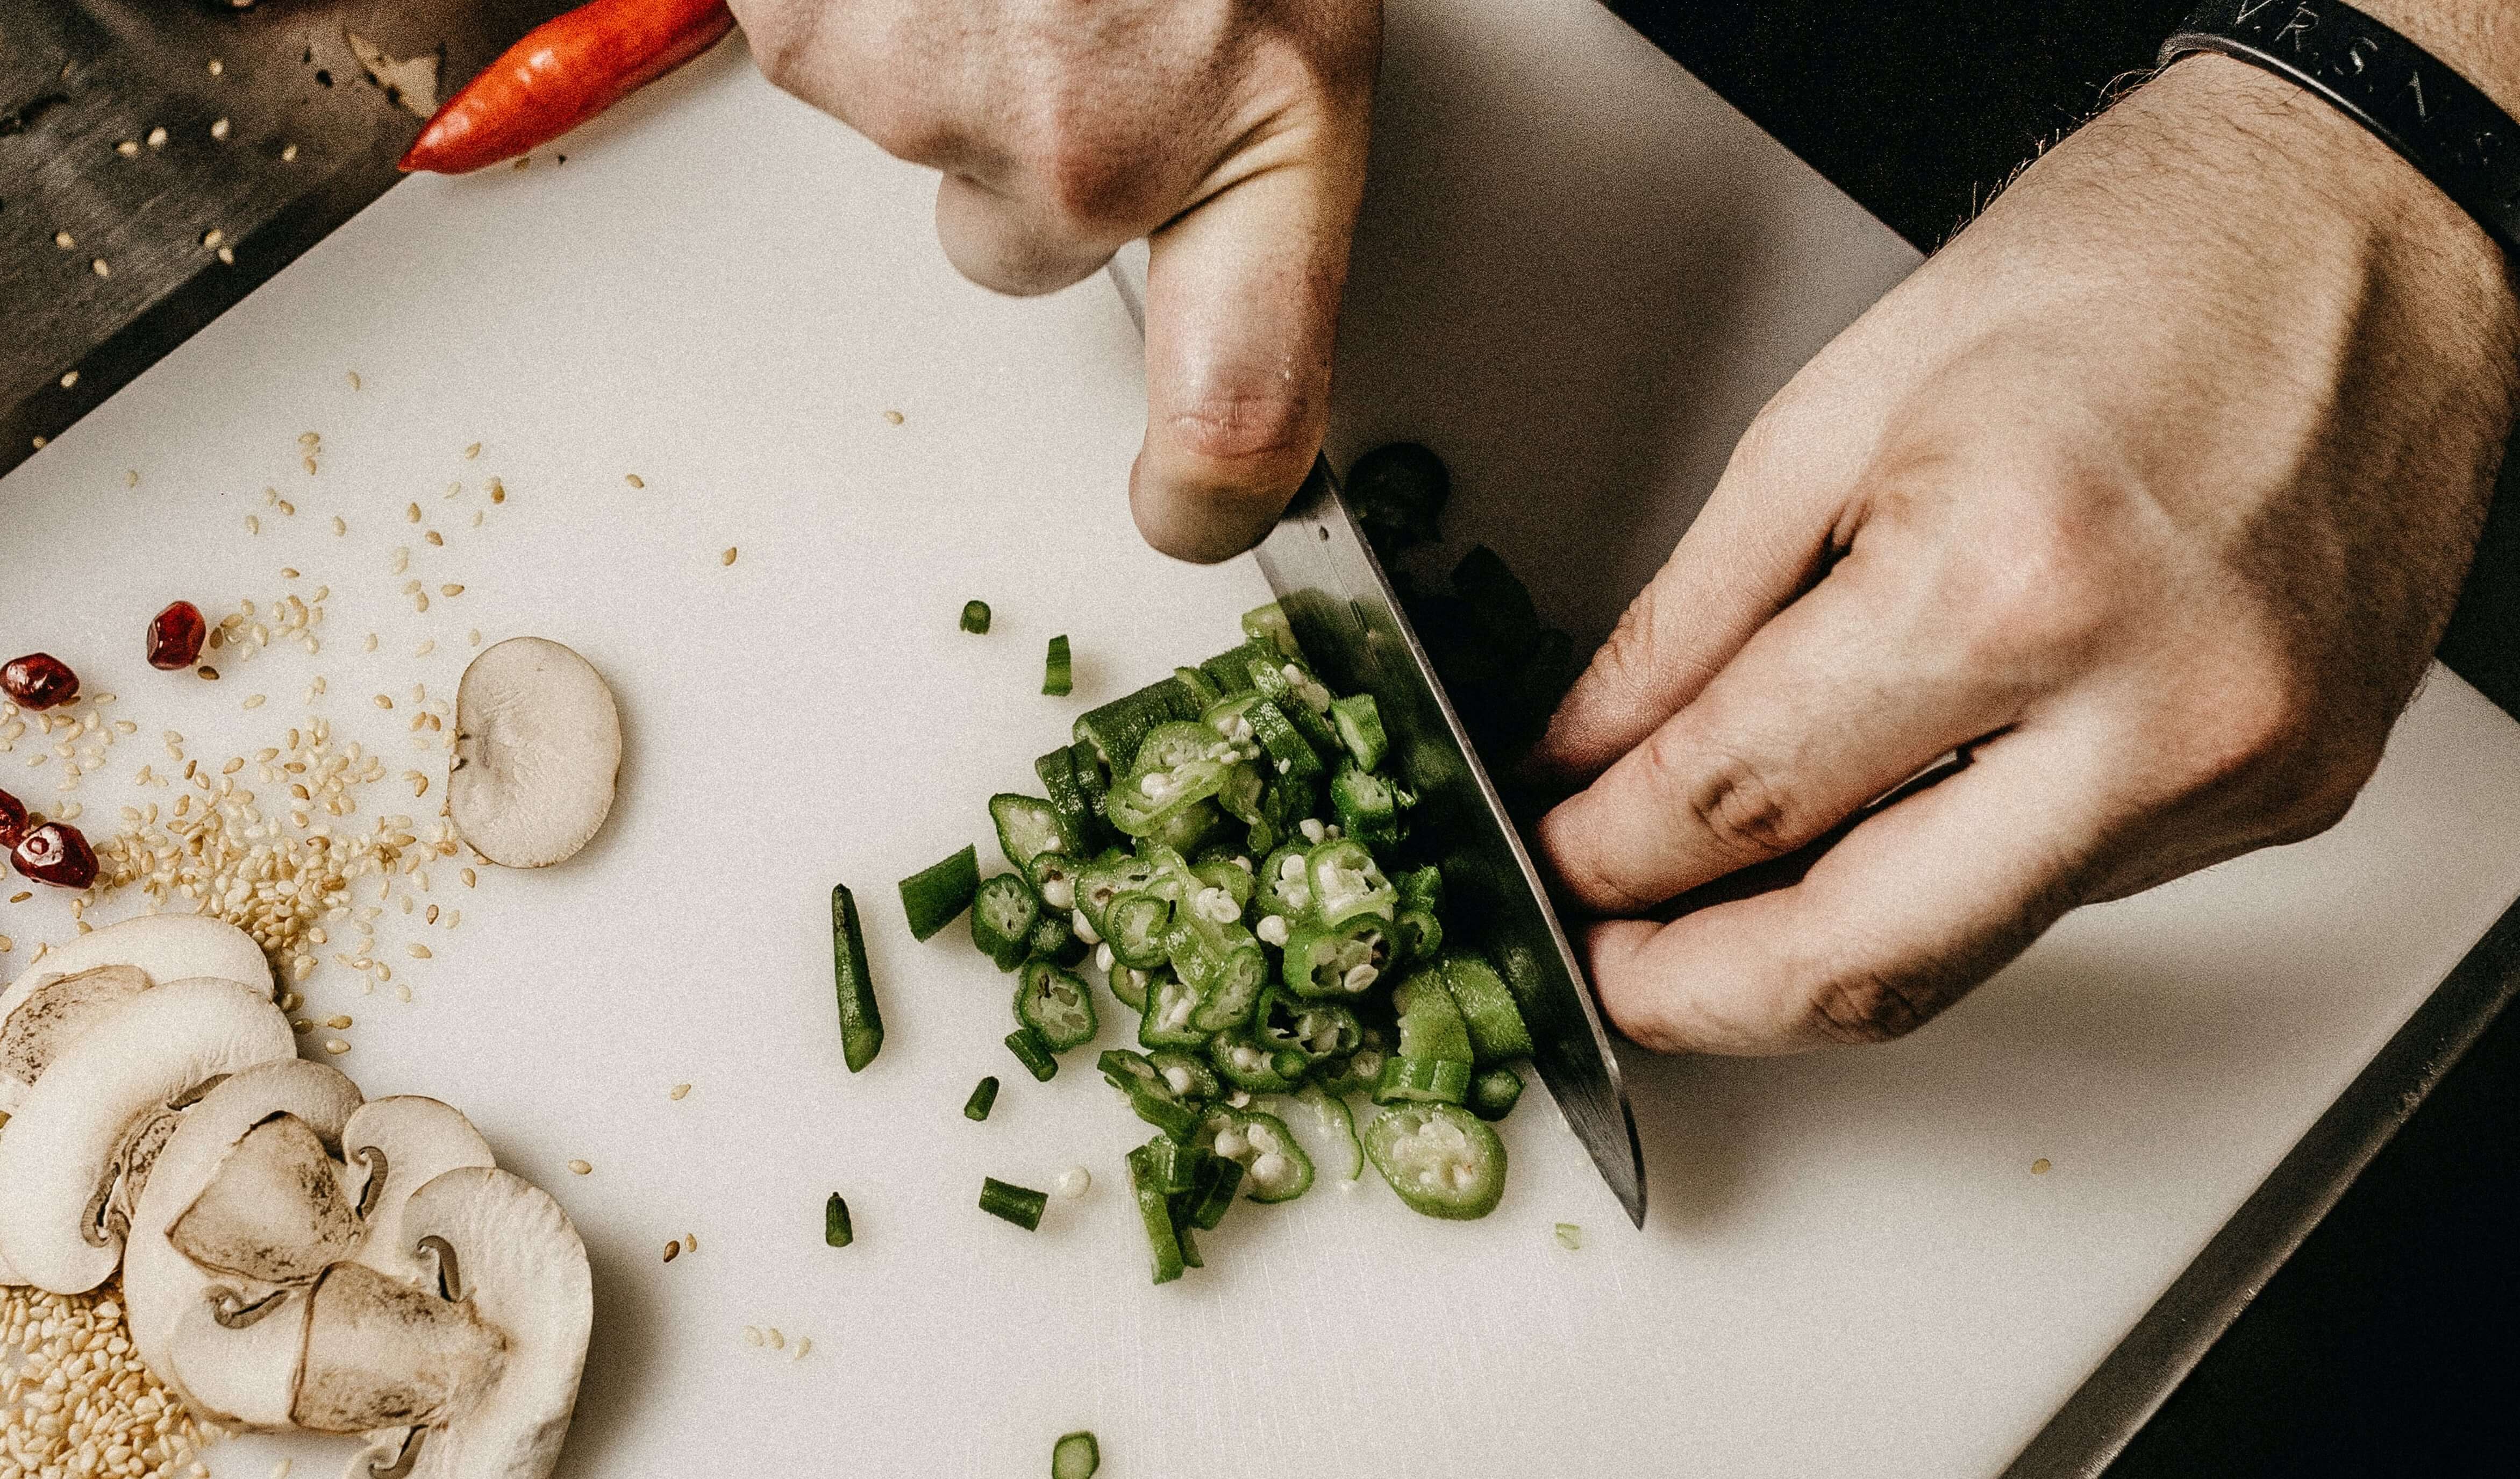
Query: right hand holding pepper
point(1232, 134)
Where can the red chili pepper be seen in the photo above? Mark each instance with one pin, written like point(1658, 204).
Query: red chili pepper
point(563, 73)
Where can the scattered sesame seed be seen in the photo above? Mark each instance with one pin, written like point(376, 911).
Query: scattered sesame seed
point(213, 236)
point(288, 154)
point(691, 1242)
point(65, 240)
point(411, 514)
point(127, 148)
point(335, 1047)
point(778, 1342)
point(100, 268)
point(677, 1092)
point(729, 557)
point(893, 416)
point(472, 451)
point(433, 537)
point(428, 645)
point(157, 137)
point(416, 951)
point(340, 525)
point(470, 877)
point(131, 477)
point(420, 602)
point(673, 1248)
point(252, 524)
point(384, 700)
point(498, 491)
point(227, 255)
point(355, 379)
point(804, 1343)
point(219, 129)
point(751, 1336)
point(217, 66)
point(339, 1024)
point(2039, 1167)
point(39, 443)
point(580, 1168)
point(212, 674)
point(634, 480)
point(289, 571)
point(69, 378)
point(254, 701)
point(450, 590)
point(472, 638)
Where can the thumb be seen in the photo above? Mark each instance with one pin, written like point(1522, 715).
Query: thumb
point(1242, 299)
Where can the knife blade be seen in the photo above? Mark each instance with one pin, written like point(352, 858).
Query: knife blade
point(1350, 621)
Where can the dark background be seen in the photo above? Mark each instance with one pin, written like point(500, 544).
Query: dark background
point(2386, 1346)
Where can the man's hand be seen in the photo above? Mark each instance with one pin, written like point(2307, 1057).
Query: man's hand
point(2150, 494)
point(1234, 131)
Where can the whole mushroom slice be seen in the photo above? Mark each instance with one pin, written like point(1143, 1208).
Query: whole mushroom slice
point(404, 1142)
point(161, 1286)
point(60, 1152)
point(160, 946)
point(506, 1249)
point(537, 750)
point(51, 1014)
point(276, 1211)
point(383, 1354)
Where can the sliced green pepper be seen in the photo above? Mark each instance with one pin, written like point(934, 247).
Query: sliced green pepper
point(1300, 697)
point(1002, 919)
point(985, 1098)
point(1432, 1025)
point(1057, 668)
point(1127, 984)
point(1357, 1072)
point(836, 1231)
point(1056, 1004)
point(1052, 876)
point(1171, 1002)
point(1358, 723)
point(1330, 962)
point(975, 617)
point(1441, 1160)
point(1421, 889)
point(1076, 1455)
point(1278, 738)
point(1284, 886)
point(861, 1024)
point(1494, 1094)
point(1020, 1205)
point(1347, 882)
point(1495, 1024)
point(1134, 929)
point(1150, 1095)
point(1106, 878)
point(1417, 933)
point(1317, 1030)
point(933, 896)
point(1367, 805)
point(1221, 868)
point(1253, 1067)
point(1156, 1214)
point(1222, 961)
point(1275, 1169)
point(1187, 1075)
point(1428, 1080)
point(1173, 1164)
point(1028, 827)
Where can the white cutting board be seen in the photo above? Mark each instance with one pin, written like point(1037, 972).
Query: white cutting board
point(1579, 276)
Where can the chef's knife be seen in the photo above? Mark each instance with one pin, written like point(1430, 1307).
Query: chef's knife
point(1345, 612)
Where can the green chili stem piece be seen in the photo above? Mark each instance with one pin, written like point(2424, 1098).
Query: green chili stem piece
point(984, 1096)
point(1076, 1455)
point(861, 1024)
point(1569, 1236)
point(1033, 1053)
point(935, 897)
point(1058, 676)
point(976, 616)
point(835, 1223)
point(1019, 1205)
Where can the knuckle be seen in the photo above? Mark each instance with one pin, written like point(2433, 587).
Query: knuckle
point(1732, 800)
point(1869, 1005)
point(779, 35)
point(1263, 430)
point(2045, 587)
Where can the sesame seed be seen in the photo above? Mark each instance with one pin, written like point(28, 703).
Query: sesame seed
point(254, 701)
point(288, 154)
point(416, 951)
point(498, 491)
point(420, 602)
point(227, 255)
point(127, 148)
point(893, 416)
point(65, 240)
point(411, 515)
point(691, 1242)
point(677, 1092)
point(289, 571)
point(39, 443)
point(384, 700)
point(468, 877)
point(213, 236)
point(131, 477)
point(673, 1247)
point(450, 590)
point(751, 1336)
point(354, 380)
point(634, 480)
point(339, 526)
point(2039, 1167)
point(433, 537)
point(219, 129)
point(472, 638)
point(100, 266)
point(778, 1342)
point(729, 557)
point(335, 1047)
point(428, 645)
point(580, 1168)
point(472, 451)
point(69, 378)
point(804, 1343)
point(252, 524)
point(157, 137)
point(339, 1024)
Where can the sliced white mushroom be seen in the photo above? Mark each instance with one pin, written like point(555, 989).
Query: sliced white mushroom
point(61, 1153)
point(383, 1354)
point(509, 1251)
point(238, 1356)
point(403, 1143)
point(276, 1211)
point(160, 1287)
point(537, 749)
point(161, 946)
point(50, 1015)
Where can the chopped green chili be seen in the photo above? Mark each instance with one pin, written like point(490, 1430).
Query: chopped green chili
point(1494, 1094)
point(1487, 1006)
point(933, 897)
point(1058, 677)
point(976, 616)
point(1019, 1205)
point(1569, 1236)
point(1056, 1004)
point(1441, 1160)
point(1076, 1455)
point(835, 1223)
point(1155, 1214)
point(861, 1024)
point(1003, 914)
point(1033, 1053)
point(984, 1096)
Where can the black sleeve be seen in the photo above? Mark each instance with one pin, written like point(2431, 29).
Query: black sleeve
point(1919, 109)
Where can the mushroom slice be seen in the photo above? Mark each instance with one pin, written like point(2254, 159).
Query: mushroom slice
point(383, 1353)
point(50, 1015)
point(160, 946)
point(537, 748)
point(161, 1286)
point(404, 1142)
point(58, 1152)
point(275, 1212)
point(238, 1359)
point(524, 1267)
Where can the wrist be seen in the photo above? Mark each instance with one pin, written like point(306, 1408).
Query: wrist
point(2480, 39)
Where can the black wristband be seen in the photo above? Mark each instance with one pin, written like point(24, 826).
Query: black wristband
point(2438, 120)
